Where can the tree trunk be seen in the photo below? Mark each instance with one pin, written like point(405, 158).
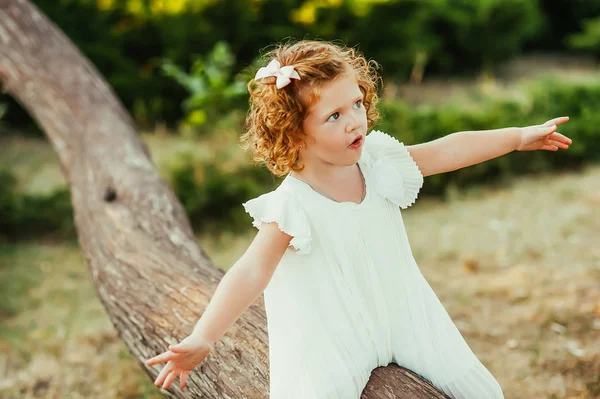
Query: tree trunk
point(146, 266)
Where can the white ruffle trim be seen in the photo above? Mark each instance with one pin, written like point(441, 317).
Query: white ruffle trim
point(274, 206)
point(397, 176)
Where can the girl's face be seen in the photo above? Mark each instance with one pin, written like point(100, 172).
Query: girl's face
point(333, 123)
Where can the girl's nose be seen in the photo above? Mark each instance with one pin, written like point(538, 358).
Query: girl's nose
point(353, 123)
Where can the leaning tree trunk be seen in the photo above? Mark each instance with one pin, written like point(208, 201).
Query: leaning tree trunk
point(149, 273)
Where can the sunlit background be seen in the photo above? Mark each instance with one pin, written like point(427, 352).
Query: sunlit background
point(516, 240)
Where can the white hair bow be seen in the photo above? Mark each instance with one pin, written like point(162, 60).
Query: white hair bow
point(284, 74)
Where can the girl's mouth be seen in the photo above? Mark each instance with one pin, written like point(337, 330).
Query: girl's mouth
point(357, 143)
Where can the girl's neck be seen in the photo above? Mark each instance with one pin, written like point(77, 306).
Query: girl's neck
point(326, 175)
point(338, 190)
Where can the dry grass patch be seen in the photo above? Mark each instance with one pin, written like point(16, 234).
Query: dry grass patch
point(518, 269)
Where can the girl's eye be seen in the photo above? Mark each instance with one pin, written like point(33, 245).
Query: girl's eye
point(337, 115)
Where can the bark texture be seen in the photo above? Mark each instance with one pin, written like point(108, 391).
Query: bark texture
point(148, 271)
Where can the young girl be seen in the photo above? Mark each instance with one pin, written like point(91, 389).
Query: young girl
point(342, 291)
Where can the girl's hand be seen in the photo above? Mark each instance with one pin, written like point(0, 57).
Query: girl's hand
point(544, 137)
point(181, 360)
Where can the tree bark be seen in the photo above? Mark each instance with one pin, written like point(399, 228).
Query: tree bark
point(148, 271)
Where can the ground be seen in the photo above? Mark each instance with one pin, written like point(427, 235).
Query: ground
point(516, 266)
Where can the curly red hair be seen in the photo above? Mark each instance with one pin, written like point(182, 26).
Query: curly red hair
point(273, 126)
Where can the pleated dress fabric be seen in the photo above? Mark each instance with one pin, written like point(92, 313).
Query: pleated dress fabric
point(348, 296)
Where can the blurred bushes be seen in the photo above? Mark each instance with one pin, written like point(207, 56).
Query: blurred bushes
point(212, 197)
point(212, 191)
point(589, 39)
point(213, 88)
point(129, 40)
point(548, 99)
point(24, 216)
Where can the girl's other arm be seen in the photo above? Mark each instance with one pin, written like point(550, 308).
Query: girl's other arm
point(462, 149)
point(241, 285)
point(243, 282)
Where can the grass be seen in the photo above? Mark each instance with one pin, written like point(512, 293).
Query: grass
point(518, 269)
point(56, 341)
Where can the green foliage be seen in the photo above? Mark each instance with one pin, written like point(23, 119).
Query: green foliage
point(563, 18)
point(580, 101)
point(212, 196)
point(23, 216)
point(213, 88)
point(482, 33)
point(548, 99)
point(589, 39)
point(129, 41)
point(397, 35)
point(448, 36)
point(124, 48)
point(212, 190)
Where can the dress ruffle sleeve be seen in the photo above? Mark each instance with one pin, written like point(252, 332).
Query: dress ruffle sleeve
point(397, 176)
point(282, 207)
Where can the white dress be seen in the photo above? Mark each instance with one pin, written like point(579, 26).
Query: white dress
point(348, 296)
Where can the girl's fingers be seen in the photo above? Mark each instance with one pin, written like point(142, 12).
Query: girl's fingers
point(559, 144)
point(163, 374)
point(163, 357)
point(550, 148)
point(183, 378)
point(556, 121)
point(170, 378)
point(560, 137)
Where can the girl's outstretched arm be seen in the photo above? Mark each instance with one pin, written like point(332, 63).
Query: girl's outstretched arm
point(462, 149)
point(243, 282)
point(241, 285)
